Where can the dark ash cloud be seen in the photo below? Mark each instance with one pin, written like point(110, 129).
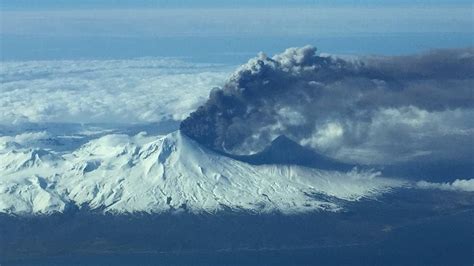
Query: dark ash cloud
point(364, 109)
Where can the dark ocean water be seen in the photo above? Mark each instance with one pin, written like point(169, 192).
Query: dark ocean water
point(410, 227)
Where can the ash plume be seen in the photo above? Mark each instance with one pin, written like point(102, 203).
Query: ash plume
point(361, 109)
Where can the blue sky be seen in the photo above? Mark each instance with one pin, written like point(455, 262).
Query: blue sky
point(28, 4)
point(227, 30)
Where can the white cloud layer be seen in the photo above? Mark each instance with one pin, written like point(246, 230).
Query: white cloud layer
point(457, 185)
point(408, 133)
point(104, 91)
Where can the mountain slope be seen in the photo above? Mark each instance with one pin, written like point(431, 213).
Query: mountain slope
point(283, 150)
point(120, 173)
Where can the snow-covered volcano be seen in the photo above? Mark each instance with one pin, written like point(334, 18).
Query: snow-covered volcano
point(120, 173)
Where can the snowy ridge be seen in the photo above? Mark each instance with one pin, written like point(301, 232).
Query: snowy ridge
point(123, 174)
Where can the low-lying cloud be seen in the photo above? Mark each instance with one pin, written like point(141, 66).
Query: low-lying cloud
point(457, 185)
point(104, 91)
point(359, 109)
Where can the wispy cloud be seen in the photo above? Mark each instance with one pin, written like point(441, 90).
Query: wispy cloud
point(457, 185)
